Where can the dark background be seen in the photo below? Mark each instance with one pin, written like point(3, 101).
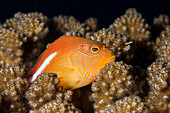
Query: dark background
point(105, 11)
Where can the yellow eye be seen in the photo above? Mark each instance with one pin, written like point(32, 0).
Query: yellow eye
point(94, 49)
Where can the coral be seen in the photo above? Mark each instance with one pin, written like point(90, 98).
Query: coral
point(161, 21)
point(120, 44)
point(159, 24)
point(92, 23)
point(114, 81)
point(158, 101)
point(79, 30)
point(164, 35)
point(43, 90)
point(60, 105)
point(34, 27)
point(13, 96)
point(158, 80)
point(64, 23)
point(31, 24)
point(130, 105)
point(164, 51)
point(133, 24)
point(10, 47)
point(158, 75)
point(9, 73)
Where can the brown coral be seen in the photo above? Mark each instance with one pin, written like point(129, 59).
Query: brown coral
point(120, 44)
point(79, 30)
point(11, 43)
point(159, 24)
point(31, 24)
point(131, 104)
point(158, 75)
point(13, 96)
point(92, 23)
point(164, 51)
point(133, 24)
point(161, 21)
point(164, 35)
point(9, 73)
point(61, 105)
point(158, 80)
point(34, 26)
point(114, 81)
point(158, 101)
point(64, 23)
point(43, 90)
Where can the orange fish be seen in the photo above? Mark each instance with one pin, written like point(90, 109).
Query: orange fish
point(75, 60)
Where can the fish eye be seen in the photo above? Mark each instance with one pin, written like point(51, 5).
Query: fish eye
point(94, 49)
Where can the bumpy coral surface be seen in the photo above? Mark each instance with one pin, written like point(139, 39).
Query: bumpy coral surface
point(31, 24)
point(9, 73)
point(60, 105)
point(133, 24)
point(164, 35)
point(130, 105)
point(158, 98)
point(158, 75)
point(64, 23)
point(164, 51)
point(114, 81)
point(43, 90)
point(120, 44)
point(45, 95)
point(10, 47)
point(13, 96)
point(34, 27)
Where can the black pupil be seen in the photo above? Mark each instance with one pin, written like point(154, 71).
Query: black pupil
point(94, 49)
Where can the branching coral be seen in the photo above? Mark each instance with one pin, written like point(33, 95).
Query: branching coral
point(164, 51)
point(158, 75)
point(31, 24)
point(79, 30)
point(9, 73)
point(164, 35)
point(161, 21)
point(60, 105)
point(10, 47)
point(34, 27)
point(92, 23)
point(114, 81)
point(43, 90)
point(13, 96)
point(133, 24)
point(120, 44)
point(158, 98)
point(64, 23)
point(130, 105)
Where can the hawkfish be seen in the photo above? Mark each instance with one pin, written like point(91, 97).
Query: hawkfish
point(75, 60)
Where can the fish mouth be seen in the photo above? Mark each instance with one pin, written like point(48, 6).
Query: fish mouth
point(106, 59)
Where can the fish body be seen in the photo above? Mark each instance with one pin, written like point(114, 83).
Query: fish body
point(75, 60)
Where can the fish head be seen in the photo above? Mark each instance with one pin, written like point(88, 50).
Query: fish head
point(92, 56)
